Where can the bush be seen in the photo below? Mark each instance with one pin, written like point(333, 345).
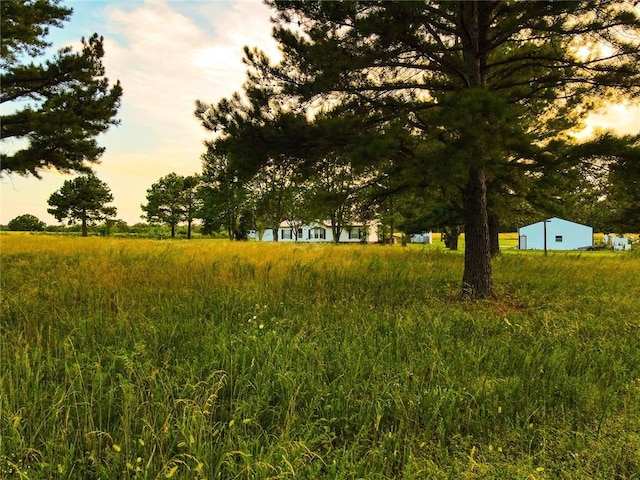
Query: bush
point(26, 223)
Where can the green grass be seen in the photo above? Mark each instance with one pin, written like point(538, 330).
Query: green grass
point(149, 359)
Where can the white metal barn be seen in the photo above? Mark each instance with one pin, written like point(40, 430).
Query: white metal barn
point(321, 232)
point(556, 234)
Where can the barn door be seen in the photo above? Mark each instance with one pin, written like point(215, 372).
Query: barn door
point(522, 242)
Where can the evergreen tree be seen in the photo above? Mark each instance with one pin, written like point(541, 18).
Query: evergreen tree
point(485, 88)
point(83, 199)
point(59, 105)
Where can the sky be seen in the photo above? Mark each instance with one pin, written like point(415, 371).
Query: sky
point(167, 54)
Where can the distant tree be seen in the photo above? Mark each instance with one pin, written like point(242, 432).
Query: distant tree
point(272, 192)
point(422, 211)
point(389, 219)
point(610, 169)
point(223, 193)
point(60, 105)
point(143, 229)
point(113, 225)
point(298, 209)
point(335, 191)
point(170, 201)
point(191, 201)
point(623, 206)
point(26, 223)
point(83, 199)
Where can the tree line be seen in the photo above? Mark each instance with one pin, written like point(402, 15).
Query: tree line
point(227, 203)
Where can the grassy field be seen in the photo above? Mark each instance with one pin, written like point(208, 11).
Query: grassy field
point(126, 358)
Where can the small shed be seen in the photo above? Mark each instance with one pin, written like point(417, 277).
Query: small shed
point(555, 234)
point(424, 237)
point(620, 243)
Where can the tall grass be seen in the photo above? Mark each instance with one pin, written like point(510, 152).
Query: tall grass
point(207, 359)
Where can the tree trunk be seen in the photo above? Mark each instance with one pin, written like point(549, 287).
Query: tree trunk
point(392, 223)
point(336, 227)
point(476, 280)
point(382, 235)
point(392, 232)
point(336, 230)
point(274, 232)
point(173, 230)
point(451, 237)
point(189, 220)
point(494, 230)
point(453, 240)
point(85, 232)
point(231, 224)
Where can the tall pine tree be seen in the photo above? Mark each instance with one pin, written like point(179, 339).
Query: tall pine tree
point(487, 89)
point(59, 106)
point(83, 199)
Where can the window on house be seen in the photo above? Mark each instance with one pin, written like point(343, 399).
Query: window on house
point(558, 238)
point(318, 233)
point(299, 233)
point(286, 234)
point(355, 233)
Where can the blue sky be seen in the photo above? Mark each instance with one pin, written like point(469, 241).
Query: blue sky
point(167, 54)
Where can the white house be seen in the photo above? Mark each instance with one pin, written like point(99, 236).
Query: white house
point(556, 234)
point(321, 232)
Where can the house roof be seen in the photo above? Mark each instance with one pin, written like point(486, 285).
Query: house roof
point(554, 218)
point(324, 223)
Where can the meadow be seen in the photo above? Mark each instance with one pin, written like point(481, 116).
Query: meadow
point(148, 359)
